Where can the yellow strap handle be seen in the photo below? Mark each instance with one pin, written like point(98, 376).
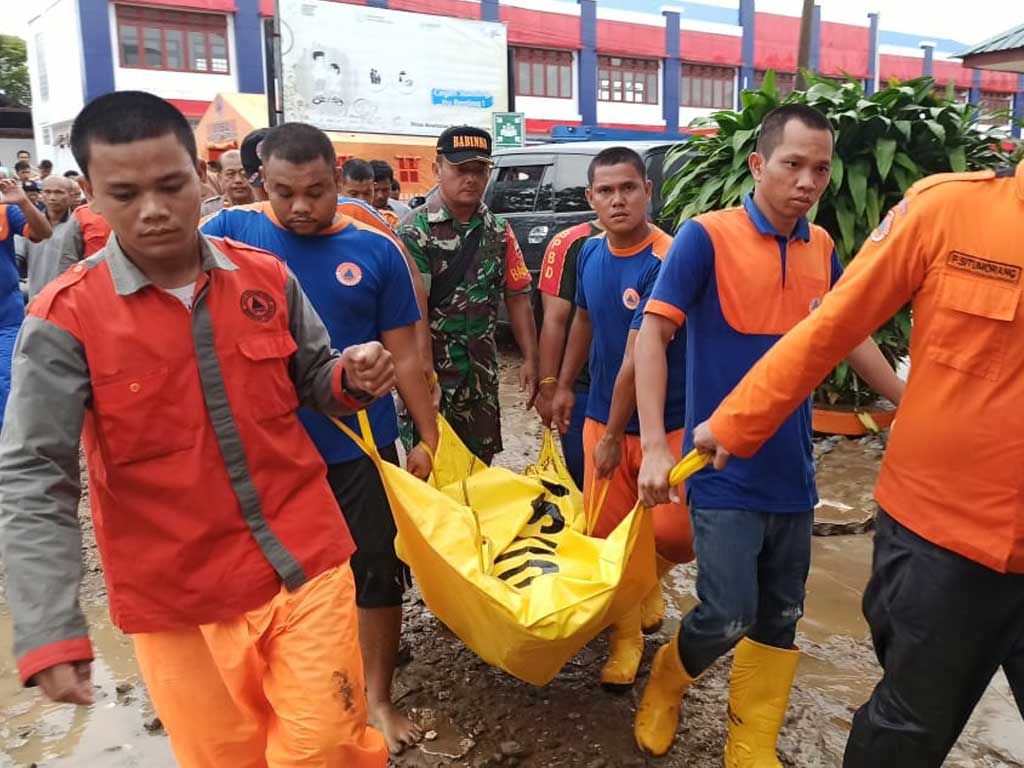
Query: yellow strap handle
point(594, 508)
point(690, 464)
point(366, 441)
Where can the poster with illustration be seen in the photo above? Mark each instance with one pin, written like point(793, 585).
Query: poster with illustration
point(361, 69)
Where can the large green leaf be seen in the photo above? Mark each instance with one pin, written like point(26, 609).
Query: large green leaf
point(857, 182)
point(847, 222)
point(904, 324)
point(708, 190)
point(739, 160)
point(734, 178)
point(937, 130)
point(838, 168)
point(904, 178)
point(957, 159)
point(904, 161)
point(885, 152)
point(841, 371)
point(874, 208)
point(740, 138)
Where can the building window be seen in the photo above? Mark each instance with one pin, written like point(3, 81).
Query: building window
point(180, 41)
point(996, 103)
point(633, 81)
point(44, 82)
point(785, 82)
point(707, 87)
point(408, 170)
point(544, 73)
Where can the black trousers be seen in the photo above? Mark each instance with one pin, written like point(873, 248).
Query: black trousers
point(942, 626)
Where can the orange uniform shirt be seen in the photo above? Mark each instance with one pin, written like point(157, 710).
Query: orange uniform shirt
point(954, 469)
point(95, 230)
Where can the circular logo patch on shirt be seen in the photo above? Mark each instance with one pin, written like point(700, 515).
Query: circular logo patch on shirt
point(349, 274)
point(259, 306)
point(882, 230)
point(630, 298)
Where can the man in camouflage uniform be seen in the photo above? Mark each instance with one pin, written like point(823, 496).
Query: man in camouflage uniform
point(470, 261)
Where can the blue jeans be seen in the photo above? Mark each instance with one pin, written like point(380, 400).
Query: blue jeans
point(751, 575)
point(572, 441)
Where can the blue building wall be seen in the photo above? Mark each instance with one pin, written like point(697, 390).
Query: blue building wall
point(249, 46)
point(97, 52)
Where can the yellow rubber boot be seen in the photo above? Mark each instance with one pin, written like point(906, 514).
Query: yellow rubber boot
point(625, 651)
point(658, 716)
point(652, 609)
point(758, 696)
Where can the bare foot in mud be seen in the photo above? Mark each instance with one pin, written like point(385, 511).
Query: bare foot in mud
point(399, 731)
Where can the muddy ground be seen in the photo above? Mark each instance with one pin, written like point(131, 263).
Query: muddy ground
point(482, 717)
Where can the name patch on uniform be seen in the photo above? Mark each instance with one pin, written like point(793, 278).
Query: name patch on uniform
point(259, 306)
point(630, 298)
point(349, 274)
point(993, 270)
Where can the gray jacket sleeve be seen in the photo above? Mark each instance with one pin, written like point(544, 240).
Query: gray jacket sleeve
point(315, 366)
point(72, 246)
point(40, 538)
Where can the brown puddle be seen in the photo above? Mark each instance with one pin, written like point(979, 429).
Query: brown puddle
point(109, 734)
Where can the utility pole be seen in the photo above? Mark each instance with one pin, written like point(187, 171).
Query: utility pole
point(804, 57)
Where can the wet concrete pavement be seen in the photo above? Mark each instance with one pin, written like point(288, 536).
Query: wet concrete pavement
point(481, 717)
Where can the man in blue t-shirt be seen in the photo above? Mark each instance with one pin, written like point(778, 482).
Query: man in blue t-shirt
point(615, 274)
point(741, 278)
point(359, 282)
point(17, 217)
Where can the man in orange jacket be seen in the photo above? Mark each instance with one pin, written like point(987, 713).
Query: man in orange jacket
point(946, 597)
point(179, 362)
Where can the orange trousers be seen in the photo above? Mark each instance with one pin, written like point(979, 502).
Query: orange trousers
point(276, 687)
point(673, 536)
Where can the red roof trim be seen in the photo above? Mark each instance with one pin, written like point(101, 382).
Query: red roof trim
point(191, 107)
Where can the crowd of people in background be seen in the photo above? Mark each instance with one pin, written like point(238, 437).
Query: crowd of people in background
point(225, 182)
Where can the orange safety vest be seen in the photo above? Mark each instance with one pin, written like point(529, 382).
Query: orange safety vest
point(173, 511)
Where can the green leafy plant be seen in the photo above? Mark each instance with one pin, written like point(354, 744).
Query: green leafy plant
point(884, 143)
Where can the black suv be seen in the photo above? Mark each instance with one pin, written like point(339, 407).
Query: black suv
point(539, 190)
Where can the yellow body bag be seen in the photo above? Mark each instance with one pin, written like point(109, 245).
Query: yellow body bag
point(500, 558)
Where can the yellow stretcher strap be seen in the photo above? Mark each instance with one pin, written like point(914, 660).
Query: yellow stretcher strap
point(596, 504)
point(691, 463)
point(366, 442)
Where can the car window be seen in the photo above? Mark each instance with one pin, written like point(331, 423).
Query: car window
point(519, 189)
point(571, 184)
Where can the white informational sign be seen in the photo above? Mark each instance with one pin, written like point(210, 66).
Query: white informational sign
point(355, 68)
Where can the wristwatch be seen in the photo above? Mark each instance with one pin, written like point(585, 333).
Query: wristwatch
point(356, 394)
